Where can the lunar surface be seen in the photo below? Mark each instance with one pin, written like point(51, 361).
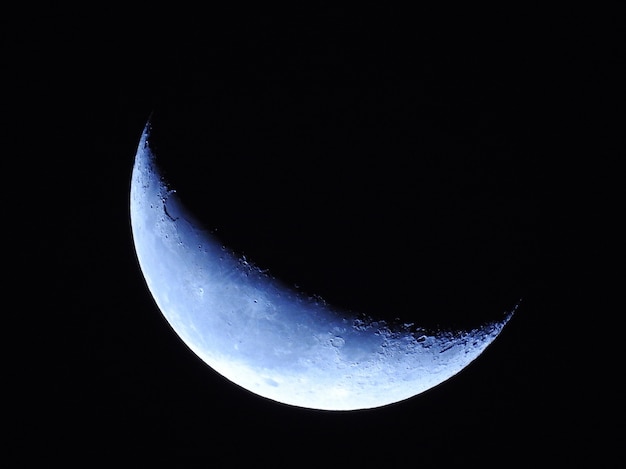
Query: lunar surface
point(272, 340)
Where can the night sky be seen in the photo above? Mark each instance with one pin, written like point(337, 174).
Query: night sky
point(395, 169)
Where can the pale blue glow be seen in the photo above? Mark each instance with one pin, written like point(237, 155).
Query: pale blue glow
point(267, 338)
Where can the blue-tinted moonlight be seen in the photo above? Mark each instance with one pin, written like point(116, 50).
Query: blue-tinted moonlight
point(270, 339)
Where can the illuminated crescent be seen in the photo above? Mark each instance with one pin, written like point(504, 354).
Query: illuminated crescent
point(272, 340)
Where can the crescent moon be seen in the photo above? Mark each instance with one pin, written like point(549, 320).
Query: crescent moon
point(272, 340)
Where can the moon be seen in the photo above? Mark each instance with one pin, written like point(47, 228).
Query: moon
point(270, 339)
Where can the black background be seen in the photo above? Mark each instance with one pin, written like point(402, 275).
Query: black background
point(432, 168)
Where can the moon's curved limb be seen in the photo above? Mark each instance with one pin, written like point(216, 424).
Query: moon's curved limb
point(268, 339)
